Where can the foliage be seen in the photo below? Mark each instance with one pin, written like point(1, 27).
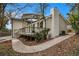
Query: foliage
point(74, 16)
point(8, 12)
point(45, 32)
point(41, 35)
point(74, 19)
point(3, 20)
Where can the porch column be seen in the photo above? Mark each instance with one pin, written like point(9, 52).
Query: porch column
point(12, 28)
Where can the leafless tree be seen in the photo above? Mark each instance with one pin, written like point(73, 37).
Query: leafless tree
point(3, 6)
point(41, 9)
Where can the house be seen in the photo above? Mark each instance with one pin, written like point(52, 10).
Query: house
point(55, 22)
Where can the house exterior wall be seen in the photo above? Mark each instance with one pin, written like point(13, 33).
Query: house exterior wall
point(70, 29)
point(48, 25)
point(62, 24)
point(24, 24)
point(55, 23)
point(18, 25)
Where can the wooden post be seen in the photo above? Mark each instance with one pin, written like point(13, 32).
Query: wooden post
point(12, 28)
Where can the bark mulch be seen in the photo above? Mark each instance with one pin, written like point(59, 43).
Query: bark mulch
point(31, 41)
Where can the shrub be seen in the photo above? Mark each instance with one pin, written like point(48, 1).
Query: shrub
point(38, 36)
point(45, 33)
point(41, 35)
point(63, 32)
point(69, 30)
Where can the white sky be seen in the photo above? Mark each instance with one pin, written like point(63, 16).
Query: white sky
point(8, 25)
point(13, 15)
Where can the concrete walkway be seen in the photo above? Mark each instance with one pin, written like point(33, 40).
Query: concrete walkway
point(5, 38)
point(18, 46)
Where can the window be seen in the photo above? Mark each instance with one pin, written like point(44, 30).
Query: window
point(33, 29)
point(33, 25)
point(41, 24)
point(38, 24)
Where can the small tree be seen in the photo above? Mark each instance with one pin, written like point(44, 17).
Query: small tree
point(3, 20)
point(3, 17)
point(74, 19)
point(41, 8)
point(74, 16)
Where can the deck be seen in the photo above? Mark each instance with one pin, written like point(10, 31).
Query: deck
point(27, 31)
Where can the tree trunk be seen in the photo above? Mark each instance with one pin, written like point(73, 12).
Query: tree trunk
point(45, 23)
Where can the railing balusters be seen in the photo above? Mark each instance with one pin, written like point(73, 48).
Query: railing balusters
point(26, 30)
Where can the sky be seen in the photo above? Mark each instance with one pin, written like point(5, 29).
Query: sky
point(62, 7)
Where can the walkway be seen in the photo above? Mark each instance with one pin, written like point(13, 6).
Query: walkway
point(18, 46)
point(5, 38)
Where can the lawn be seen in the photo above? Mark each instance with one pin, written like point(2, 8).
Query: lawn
point(6, 49)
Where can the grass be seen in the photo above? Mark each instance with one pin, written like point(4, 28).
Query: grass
point(6, 49)
point(74, 51)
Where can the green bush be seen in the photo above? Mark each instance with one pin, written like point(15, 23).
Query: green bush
point(41, 35)
point(45, 33)
point(63, 32)
point(38, 36)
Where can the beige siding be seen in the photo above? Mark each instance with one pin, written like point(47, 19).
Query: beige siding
point(17, 24)
point(48, 23)
point(55, 23)
point(62, 24)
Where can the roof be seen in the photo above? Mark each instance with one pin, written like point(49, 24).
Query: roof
point(17, 19)
point(28, 21)
point(31, 16)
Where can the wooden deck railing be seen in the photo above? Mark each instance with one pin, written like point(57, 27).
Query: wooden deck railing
point(29, 30)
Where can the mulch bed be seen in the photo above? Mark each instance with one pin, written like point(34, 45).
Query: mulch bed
point(31, 41)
